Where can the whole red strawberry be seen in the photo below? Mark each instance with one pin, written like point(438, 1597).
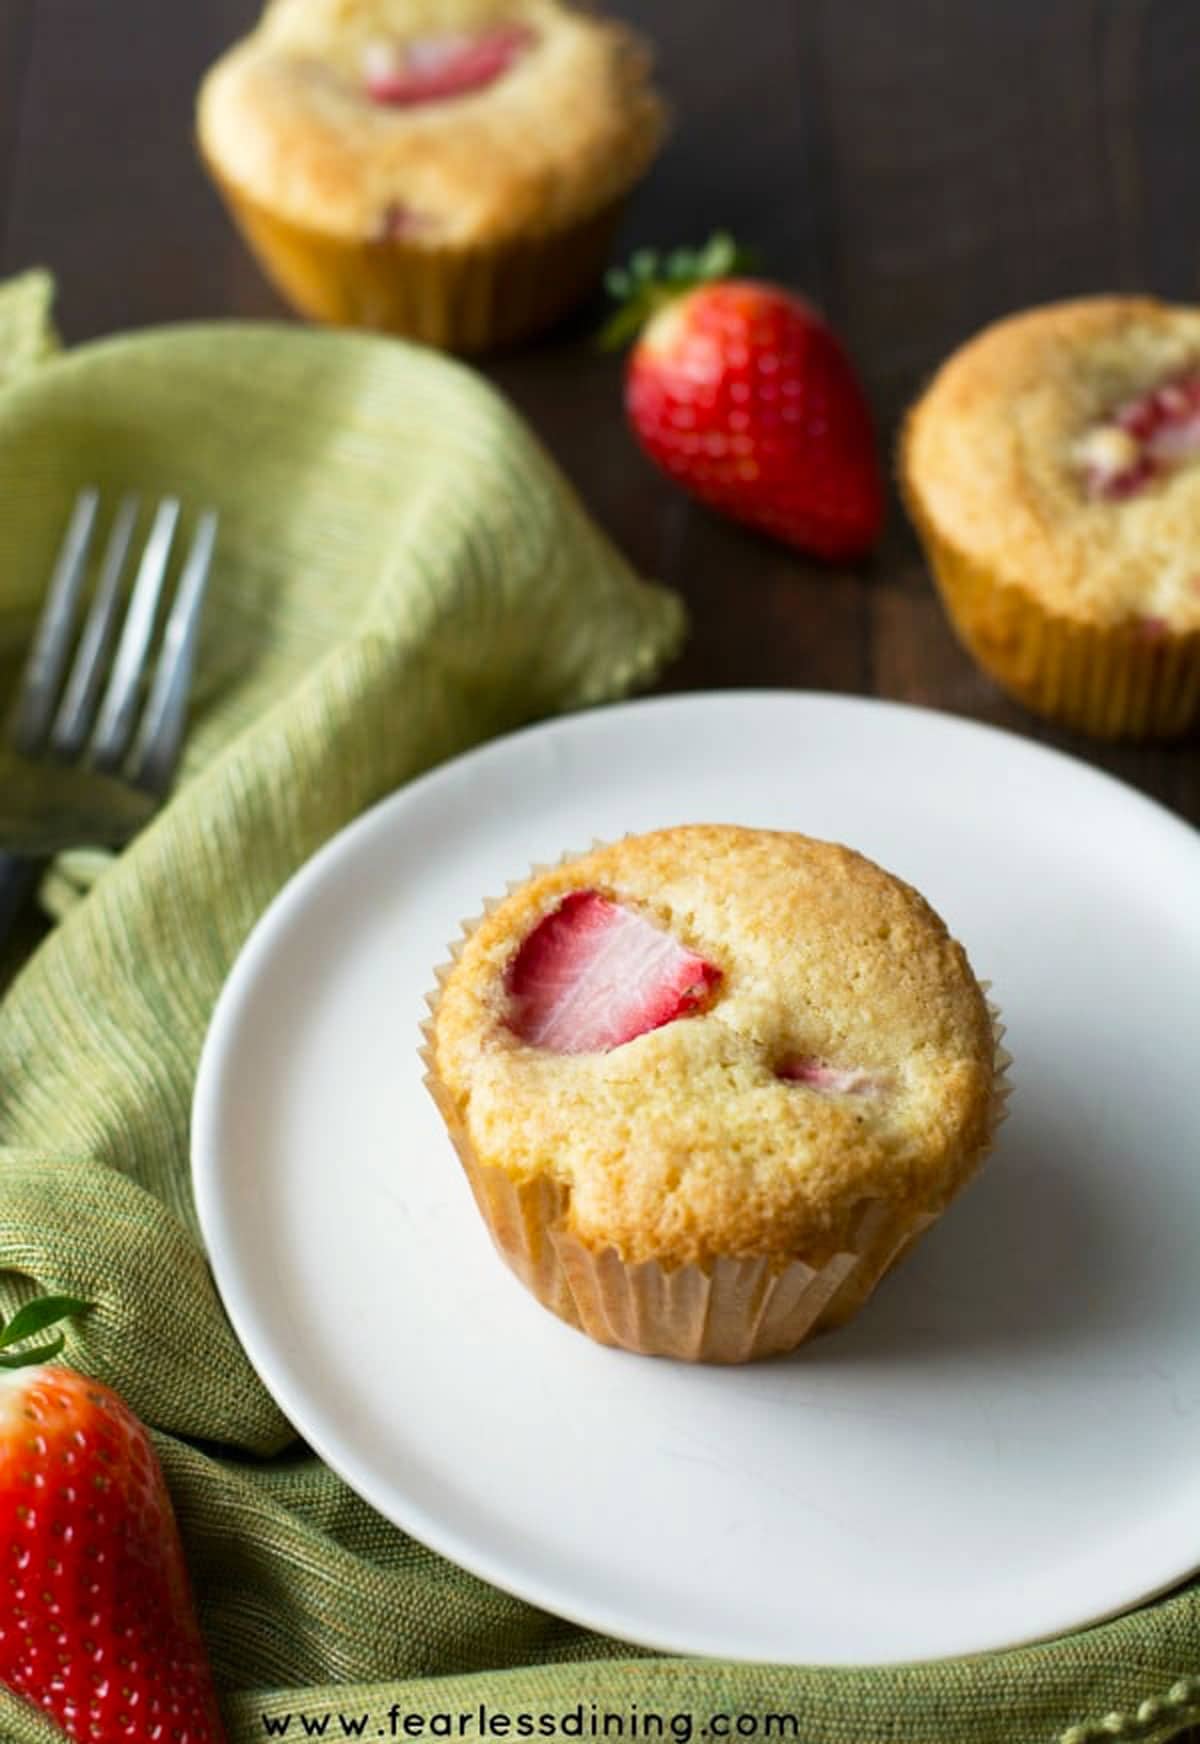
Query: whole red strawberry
point(743, 394)
point(96, 1619)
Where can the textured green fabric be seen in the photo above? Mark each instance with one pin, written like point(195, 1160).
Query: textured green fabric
point(402, 572)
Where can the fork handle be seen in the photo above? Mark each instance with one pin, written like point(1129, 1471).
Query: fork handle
point(17, 878)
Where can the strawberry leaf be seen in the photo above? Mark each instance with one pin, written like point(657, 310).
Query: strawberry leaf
point(35, 1316)
point(651, 281)
point(628, 320)
point(27, 1358)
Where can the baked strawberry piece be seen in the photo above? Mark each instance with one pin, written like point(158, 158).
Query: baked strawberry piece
point(823, 1075)
point(1144, 439)
point(595, 974)
point(433, 68)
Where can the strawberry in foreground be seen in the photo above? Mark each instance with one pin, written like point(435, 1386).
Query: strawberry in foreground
point(743, 394)
point(593, 974)
point(96, 1619)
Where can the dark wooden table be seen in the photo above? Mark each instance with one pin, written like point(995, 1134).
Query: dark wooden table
point(918, 168)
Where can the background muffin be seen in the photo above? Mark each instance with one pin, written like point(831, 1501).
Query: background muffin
point(448, 169)
point(707, 1084)
point(1053, 470)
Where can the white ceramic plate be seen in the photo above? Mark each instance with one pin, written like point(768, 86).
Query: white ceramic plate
point(1001, 1447)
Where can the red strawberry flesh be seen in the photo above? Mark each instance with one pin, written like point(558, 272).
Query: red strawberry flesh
point(1143, 439)
point(397, 221)
point(821, 1075)
point(430, 69)
point(96, 1622)
point(594, 974)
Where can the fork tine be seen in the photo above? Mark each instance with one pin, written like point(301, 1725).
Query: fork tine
point(160, 734)
point(117, 711)
point(76, 711)
point(52, 638)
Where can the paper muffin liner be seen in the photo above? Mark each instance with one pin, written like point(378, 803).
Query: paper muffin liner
point(729, 1310)
point(1134, 680)
point(464, 299)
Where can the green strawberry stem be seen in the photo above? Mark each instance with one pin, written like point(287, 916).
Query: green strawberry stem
point(653, 280)
point(28, 1321)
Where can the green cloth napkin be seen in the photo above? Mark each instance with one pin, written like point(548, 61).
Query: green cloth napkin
point(402, 572)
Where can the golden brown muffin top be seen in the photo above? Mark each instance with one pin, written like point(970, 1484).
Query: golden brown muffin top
point(1060, 449)
point(287, 117)
point(687, 1142)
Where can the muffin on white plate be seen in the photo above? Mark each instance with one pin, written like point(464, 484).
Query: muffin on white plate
point(708, 1084)
point(452, 170)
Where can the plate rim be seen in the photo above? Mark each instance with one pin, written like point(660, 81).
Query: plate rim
point(238, 1301)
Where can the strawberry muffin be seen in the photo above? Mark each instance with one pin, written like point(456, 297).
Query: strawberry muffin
point(708, 1084)
point(1053, 471)
point(448, 169)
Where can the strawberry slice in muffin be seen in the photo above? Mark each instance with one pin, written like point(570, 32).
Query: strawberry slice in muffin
point(1143, 439)
point(430, 69)
point(593, 975)
point(708, 1084)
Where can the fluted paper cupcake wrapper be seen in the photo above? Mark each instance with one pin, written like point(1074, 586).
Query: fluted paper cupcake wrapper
point(729, 1310)
point(466, 299)
point(1133, 680)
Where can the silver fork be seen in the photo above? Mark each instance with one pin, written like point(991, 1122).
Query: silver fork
point(93, 718)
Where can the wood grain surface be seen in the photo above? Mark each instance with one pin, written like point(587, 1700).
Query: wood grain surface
point(917, 166)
